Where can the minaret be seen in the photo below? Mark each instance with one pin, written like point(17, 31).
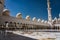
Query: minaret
point(49, 12)
point(1, 6)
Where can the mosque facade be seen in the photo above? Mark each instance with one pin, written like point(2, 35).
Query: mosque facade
point(7, 21)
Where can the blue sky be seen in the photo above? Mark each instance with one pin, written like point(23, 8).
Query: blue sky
point(34, 8)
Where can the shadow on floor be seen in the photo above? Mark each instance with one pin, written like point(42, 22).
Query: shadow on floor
point(11, 36)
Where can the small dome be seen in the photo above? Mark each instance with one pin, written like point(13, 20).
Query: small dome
point(39, 20)
point(6, 12)
point(59, 15)
point(55, 18)
point(27, 17)
point(34, 19)
point(19, 15)
point(45, 22)
point(42, 21)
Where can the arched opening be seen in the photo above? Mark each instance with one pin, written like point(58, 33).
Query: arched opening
point(20, 26)
point(23, 26)
point(10, 24)
point(6, 24)
point(15, 24)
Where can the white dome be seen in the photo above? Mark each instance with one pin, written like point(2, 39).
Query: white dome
point(5, 10)
point(42, 21)
point(45, 22)
point(27, 17)
point(39, 20)
point(34, 19)
point(19, 15)
point(55, 18)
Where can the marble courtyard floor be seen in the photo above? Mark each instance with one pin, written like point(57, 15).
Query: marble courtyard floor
point(12, 36)
point(21, 35)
